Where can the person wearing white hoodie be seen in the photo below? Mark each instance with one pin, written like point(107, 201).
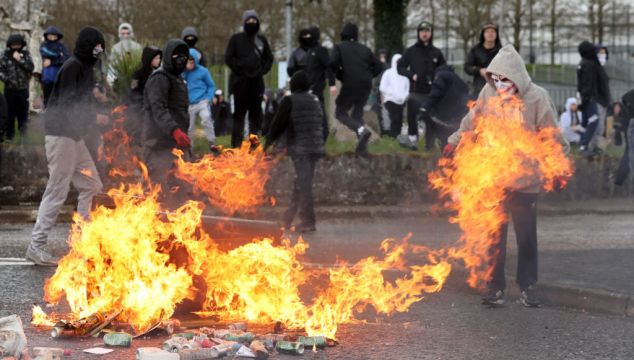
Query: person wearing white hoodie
point(394, 89)
point(570, 122)
point(126, 47)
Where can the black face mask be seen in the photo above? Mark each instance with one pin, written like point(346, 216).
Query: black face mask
point(306, 42)
point(251, 28)
point(191, 42)
point(179, 63)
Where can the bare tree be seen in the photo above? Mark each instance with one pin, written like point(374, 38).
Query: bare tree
point(469, 17)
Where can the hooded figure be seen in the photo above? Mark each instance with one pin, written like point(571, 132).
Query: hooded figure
point(201, 89)
point(356, 66)
point(126, 45)
point(299, 58)
point(480, 56)
point(570, 122)
point(300, 117)
point(249, 57)
point(419, 64)
point(594, 92)
point(16, 67)
point(317, 63)
point(394, 89)
point(190, 36)
point(53, 53)
point(507, 76)
point(70, 116)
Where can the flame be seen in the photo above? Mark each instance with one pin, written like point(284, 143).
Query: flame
point(86, 172)
point(39, 317)
point(233, 181)
point(498, 155)
point(117, 149)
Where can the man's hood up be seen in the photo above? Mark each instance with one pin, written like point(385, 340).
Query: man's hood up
point(86, 41)
point(350, 32)
point(126, 26)
point(189, 31)
point(52, 30)
point(173, 46)
point(588, 51)
point(509, 64)
point(395, 59)
point(16, 39)
point(569, 103)
point(149, 52)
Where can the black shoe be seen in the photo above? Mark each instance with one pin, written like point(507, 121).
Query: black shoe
point(306, 228)
point(494, 297)
point(528, 297)
point(362, 145)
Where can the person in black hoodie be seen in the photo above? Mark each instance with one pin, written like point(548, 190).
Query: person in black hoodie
point(166, 113)
point(249, 57)
point(624, 128)
point(16, 67)
point(355, 65)
point(593, 92)
point(419, 64)
point(300, 117)
point(190, 36)
point(72, 111)
point(446, 104)
point(150, 61)
point(299, 57)
point(480, 57)
point(221, 112)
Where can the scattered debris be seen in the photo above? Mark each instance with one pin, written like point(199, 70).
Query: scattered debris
point(152, 353)
point(98, 351)
point(12, 338)
point(118, 339)
point(290, 347)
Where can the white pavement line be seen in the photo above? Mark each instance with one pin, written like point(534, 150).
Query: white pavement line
point(15, 263)
point(12, 259)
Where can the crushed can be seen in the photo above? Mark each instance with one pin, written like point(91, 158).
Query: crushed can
point(152, 353)
point(240, 336)
point(118, 339)
point(290, 347)
point(259, 349)
point(178, 343)
point(310, 342)
point(221, 350)
point(198, 354)
point(186, 335)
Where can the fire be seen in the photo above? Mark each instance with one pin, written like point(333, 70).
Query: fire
point(39, 317)
point(233, 181)
point(117, 149)
point(498, 155)
point(86, 172)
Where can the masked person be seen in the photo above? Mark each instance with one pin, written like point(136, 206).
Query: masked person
point(201, 89)
point(190, 36)
point(16, 67)
point(72, 111)
point(299, 117)
point(53, 54)
point(507, 77)
point(150, 61)
point(355, 65)
point(221, 112)
point(166, 114)
point(249, 57)
point(125, 48)
point(480, 56)
point(419, 63)
point(299, 57)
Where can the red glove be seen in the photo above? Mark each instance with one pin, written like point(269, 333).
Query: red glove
point(448, 150)
point(182, 140)
point(559, 183)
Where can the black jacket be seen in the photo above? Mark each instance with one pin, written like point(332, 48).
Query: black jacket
point(316, 64)
point(354, 63)
point(248, 57)
point(191, 31)
point(16, 74)
point(479, 57)
point(72, 109)
point(165, 101)
point(422, 60)
point(592, 80)
point(3, 115)
point(142, 74)
point(301, 118)
point(448, 97)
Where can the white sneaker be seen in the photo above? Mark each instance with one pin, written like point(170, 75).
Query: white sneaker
point(40, 257)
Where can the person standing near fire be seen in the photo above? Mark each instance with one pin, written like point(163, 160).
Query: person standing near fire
point(300, 117)
point(507, 77)
point(72, 111)
point(166, 120)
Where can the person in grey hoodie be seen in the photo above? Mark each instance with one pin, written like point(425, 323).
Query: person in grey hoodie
point(190, 36)
point(506, 75)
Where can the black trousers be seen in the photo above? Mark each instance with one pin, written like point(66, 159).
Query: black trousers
point(47, 88)
point(302, 198)
point(523, 210)
point(414, 103)
point(247, 96)
point(351, 99)
point(395, 111)
point(17, 108)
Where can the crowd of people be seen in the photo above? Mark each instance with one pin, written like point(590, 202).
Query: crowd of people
point(172, 88)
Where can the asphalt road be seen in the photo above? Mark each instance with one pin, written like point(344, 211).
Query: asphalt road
point(449, 325)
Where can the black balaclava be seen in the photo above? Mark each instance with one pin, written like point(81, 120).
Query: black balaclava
point(175, 66)
point(190, 32)
point(350, 32)
point(306, 40)
point(87, 40)
point(251, 29)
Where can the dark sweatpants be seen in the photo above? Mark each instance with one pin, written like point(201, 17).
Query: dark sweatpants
point(523, 211)
point(351, 99)
point(17, 107)
point(302, 199)
point(247, 97)
point(395, 111)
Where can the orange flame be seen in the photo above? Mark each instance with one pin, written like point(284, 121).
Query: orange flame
point(233, 181)
point(498, 155)
point(39, 317)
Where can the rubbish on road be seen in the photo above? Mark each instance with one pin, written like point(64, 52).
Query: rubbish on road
point(290, 347)
point(118, 339)
point(186, 335)
point(244, 351)
point(179, 343)
point(170, 325)
point(198, 354)
point(82, 327)
point(221, 350)
point(310, 342)
point(274, 337)
point(12, 338)
point(238, 326)
point(153, 353)
point(259, 349)
point(239, 336)
point(98, 351)
point(48, 353)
